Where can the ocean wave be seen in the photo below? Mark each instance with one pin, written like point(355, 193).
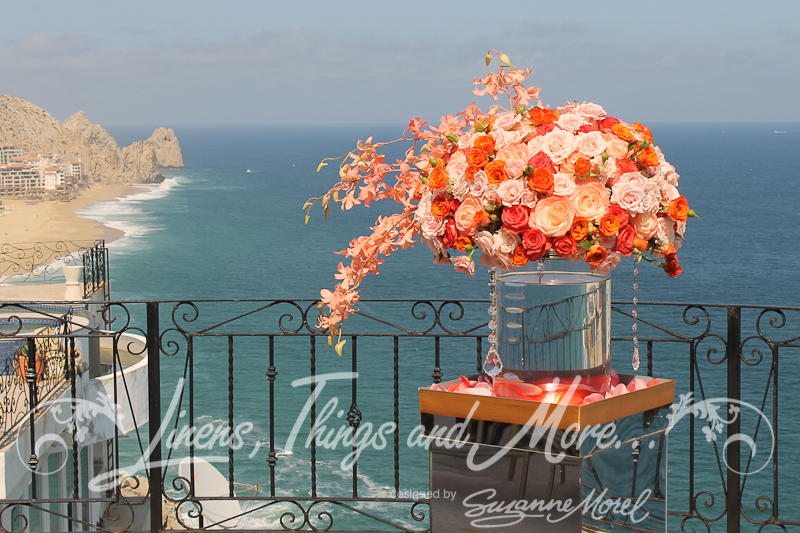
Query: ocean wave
point(125, 213)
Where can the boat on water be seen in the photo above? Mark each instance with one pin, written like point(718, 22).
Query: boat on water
point(776, 131)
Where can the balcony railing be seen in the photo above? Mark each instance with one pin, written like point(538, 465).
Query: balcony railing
point(215, 367)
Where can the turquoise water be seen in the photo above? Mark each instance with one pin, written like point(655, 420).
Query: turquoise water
point(212, 230)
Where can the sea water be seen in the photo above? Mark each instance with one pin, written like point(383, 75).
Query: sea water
point(213, 230)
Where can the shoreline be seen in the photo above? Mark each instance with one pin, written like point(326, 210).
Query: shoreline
point(54, 220)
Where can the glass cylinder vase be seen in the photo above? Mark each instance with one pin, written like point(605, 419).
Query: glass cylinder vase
point(554, 321)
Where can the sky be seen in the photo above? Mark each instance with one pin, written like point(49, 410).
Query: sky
point(325, 62)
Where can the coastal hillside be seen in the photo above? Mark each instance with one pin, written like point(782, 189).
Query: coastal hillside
point(35, 131)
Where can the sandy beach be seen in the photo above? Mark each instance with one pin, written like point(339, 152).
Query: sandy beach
point(22, 223)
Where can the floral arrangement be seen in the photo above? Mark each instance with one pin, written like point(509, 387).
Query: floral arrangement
point(515, 184)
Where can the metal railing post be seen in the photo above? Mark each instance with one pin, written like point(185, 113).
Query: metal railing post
point(734, 428)
point(154, 395)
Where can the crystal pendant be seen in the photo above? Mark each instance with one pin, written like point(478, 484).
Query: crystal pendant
point(635, 358)
point(492, 365)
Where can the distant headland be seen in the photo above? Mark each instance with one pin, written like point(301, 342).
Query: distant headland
point(33, 132)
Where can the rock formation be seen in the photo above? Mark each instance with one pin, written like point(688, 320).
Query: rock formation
point(35, 131)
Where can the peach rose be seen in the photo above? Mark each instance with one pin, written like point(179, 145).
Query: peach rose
point(467, 215)
point(617, 149)
point(564, 185)
point(646, 225)
point(553, 216)
point(590, 199)
point(456, 166)
point(516, 151)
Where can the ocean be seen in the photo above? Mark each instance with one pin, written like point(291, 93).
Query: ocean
point(214, 231)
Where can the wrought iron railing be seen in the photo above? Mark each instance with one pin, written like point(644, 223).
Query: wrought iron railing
point(96, 271)
point(42, 261)
point(233, 362)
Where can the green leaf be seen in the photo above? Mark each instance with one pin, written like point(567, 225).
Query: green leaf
point(586, 244)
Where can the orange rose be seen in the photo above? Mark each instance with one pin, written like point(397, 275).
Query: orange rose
point(462, 243)
point(668, 250)
point(519, 257)
point(477, 157)
point(496, 172)
point(640, 243)
point(609, 225)
point(536, 115)
point(582, 167)
point(648, 157)
point(550, 116)
point(485, 143)
point(440, 207)
point(622, 132)
point(596, 255)
point(580, 229)
point(678, 209)
point(541, 181)
point(438, 178)
point(469, 173)
point(644, 130)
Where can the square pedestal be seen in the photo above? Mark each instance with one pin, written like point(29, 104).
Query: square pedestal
point(600, 467)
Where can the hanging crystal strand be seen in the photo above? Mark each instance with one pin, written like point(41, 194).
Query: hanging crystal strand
point(635, 314)
point(493, 365)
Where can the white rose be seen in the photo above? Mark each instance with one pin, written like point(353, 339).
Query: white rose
point(505, 242)
point(665, 231)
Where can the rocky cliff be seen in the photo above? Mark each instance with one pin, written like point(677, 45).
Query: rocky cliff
point(32, 129)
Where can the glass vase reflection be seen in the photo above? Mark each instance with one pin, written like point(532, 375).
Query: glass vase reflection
point(554, 322)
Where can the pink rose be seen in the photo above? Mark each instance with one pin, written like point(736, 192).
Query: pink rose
point(535, 244)
point(558, 145)
point(541, 160)
point(590, 110)
point(628, 196)
point(457, 165)
point(625, 240)
point(510, 192)
point(515, 218)
point(529, 198)
point(515, 167)
point(571, 122)
point(553, 215)
point(463, 264)
point(611, 262)
point(432, 227)
point(590, 144)
point(590, 199)
point(466, 215)
point(564, 184)
point(478, 184)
